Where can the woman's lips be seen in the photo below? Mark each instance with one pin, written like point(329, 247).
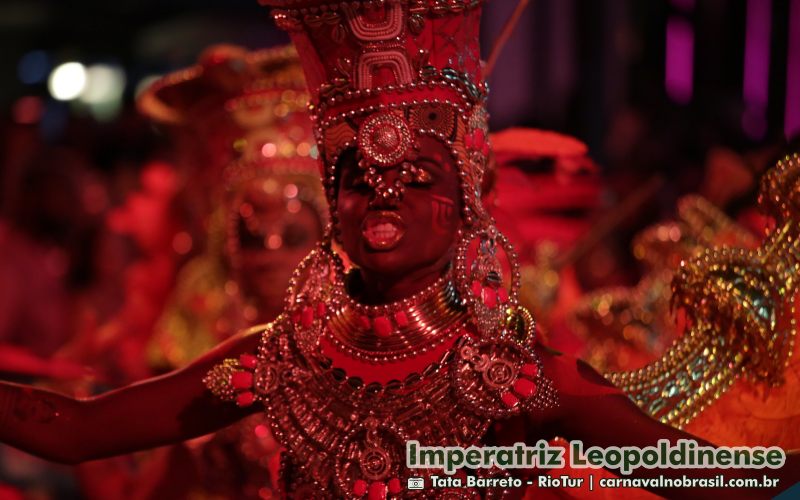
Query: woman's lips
point(383, 230)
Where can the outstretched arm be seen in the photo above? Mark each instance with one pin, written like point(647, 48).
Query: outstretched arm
point(155, 412)
point(593, 411)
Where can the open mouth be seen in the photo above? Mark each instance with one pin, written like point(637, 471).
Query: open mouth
point(383, 230)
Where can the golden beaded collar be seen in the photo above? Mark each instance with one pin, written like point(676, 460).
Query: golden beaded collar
point(399, 330)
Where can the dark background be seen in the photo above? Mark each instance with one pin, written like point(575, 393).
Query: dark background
point(572, 65)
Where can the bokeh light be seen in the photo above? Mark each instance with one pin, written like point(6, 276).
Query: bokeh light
point(104, 84)
point(33, 67)
point(67, 81)
point(28, 110)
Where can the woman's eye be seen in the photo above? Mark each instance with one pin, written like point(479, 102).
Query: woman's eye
point(421, 177)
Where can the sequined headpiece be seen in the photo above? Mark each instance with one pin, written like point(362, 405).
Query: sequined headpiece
point(247, 107)
point(248, 113)
point(234, 102)
point(383, 73)
point(275, 133)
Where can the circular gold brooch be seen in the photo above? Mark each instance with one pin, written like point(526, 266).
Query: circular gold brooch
point(384, 139)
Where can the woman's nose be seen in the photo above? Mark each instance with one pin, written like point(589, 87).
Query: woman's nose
point(389, 190)
point(387, 195)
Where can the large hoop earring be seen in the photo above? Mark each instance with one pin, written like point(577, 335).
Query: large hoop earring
point(487, 277)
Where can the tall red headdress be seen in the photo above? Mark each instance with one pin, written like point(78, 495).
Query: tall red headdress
point(382, 73)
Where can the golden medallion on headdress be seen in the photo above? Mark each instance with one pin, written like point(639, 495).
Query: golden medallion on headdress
point(384, 139)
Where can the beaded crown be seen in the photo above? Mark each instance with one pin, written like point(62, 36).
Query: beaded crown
point(383, 73)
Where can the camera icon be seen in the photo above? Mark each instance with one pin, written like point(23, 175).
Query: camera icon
point(416, 483)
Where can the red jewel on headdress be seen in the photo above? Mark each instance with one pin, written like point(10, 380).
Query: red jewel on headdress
point(480, 137)
point(529, 369)
point(245, 399)
point(477, 288)
point(377, 491)
point(401, 319)
point(307, 318)
point(489, 297)
point(509, 399)
point(395, 487)
point(525, 387)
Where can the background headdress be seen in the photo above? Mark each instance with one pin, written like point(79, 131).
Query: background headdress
point(546, 188)
point(270, 114)
point(227, 96)
point(243, 113)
